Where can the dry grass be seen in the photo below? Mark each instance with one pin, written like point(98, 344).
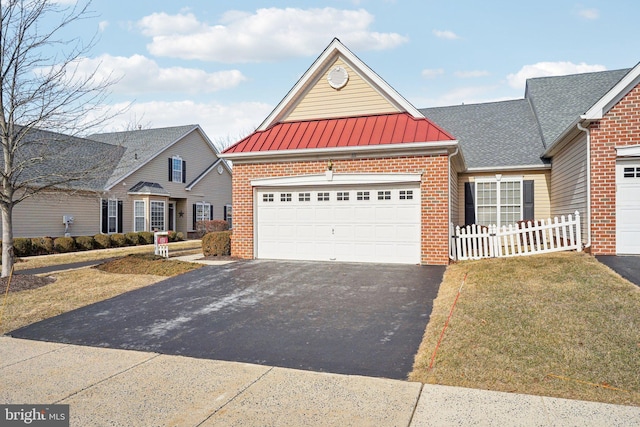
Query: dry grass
point(184, 248)
point(71, 290)
point(522, 323)
point(147, 264)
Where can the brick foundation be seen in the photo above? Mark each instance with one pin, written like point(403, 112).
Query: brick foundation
point(434, 196)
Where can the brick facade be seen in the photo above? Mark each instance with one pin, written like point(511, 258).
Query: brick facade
point(434, 196)
point(618, 128)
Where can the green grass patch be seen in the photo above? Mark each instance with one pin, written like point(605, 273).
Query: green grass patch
point(147, 264)
point(559, 325)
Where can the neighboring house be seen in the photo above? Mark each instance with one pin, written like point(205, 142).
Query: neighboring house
point(157, 179)
point(346, 169)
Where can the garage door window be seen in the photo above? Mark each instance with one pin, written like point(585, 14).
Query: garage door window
point(362, 195)
point(384, 195)
point(285, 197)
point(323, 197)
point(342, 196)
point(304, 197)
point(267, 197)
point(631, 172)
point(406, 194)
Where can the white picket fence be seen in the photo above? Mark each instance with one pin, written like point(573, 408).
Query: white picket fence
point(529, 238)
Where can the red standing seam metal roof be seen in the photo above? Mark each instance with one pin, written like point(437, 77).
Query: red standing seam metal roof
point(397, 128)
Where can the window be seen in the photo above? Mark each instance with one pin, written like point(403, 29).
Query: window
point(304, 197)
point(267, 197)
point(228, 215)
point(406, 194)
point(323, 197)
point(285, 197)
point(362, 195)
point(203, 211)
point(498, 202)
point(631, 172)
point(138, 216)
point(157, 215)
point(176, 169)
point(384, 195)
point(343, 196)
point(113, 216)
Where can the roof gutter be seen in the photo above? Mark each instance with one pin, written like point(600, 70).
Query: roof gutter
point(588, 132)
point(383, 150)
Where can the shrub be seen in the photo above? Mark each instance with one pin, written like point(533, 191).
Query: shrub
point(217, 243)
point(172, 236)
point(179, 236)
point(204, 227)
point(41, 245)
point(64, 244)
point(118, 240)
point(146, 237)
point(132, 239)
point(85, 243)
point(102, 241)
point(22, 246)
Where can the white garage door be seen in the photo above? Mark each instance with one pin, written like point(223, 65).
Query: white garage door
point(360, 224)
point(628, 207)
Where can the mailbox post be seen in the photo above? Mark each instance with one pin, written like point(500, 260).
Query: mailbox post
point(161, 243)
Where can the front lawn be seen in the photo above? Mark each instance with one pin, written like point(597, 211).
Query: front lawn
point(560, 325)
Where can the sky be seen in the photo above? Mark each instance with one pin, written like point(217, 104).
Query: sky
point(226, 65)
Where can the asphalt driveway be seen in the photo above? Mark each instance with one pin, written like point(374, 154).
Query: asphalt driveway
point(626, 266)
point(360, 319)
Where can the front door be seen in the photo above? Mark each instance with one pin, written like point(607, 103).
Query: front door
point(172, 216)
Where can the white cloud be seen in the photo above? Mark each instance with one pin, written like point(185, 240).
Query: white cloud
point(432, 73)
point(139, 74)
point(103, 25)
point(545, 69)
point(268, 34)
point(471, 74)
point(220, 122)
point(447, 35)
point(590, 14)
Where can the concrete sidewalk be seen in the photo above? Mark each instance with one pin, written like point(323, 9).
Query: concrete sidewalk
point(130, 388)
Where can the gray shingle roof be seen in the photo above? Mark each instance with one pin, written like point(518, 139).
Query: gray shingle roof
point(559, 101)
point(149, 188)
point(72, 162)
point(141, 146)
point(492, 135)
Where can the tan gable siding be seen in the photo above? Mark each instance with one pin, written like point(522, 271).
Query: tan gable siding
point(569, 180)
point(542, 201)
point(355, 99)
point(199, 156)
point(192, 148)
point(41, 215)
point(218, 188)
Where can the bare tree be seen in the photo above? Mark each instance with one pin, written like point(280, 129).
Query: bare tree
point(46, 102)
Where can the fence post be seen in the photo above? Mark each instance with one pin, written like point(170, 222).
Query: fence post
point(578, 232)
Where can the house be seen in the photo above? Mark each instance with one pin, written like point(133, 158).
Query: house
point(153, 179)
point(347, 169)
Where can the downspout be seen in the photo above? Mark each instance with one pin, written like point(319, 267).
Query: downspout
point(588, 132)
point(449, 196)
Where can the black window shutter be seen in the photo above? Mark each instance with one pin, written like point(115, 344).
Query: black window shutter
point(170, 169)
point(225, 212)
point(528, 211)
point(194, 216)
point(184, 172)
point(210, 211)
point(120, 210)
point(469, 203)
point(104, 217)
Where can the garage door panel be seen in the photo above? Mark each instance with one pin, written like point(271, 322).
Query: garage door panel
point(628, 207)
point(341, 228)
